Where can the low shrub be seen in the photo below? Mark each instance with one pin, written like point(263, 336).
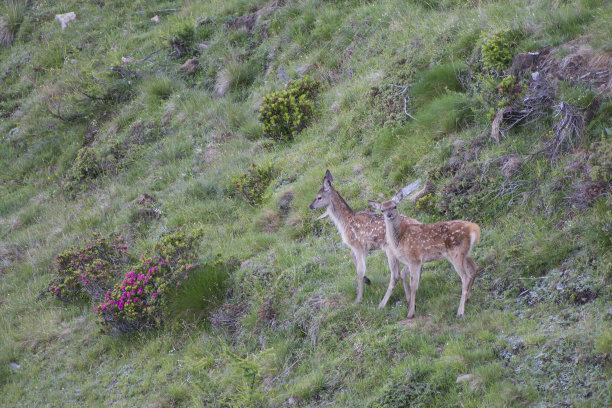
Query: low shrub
point(252, 184)
point(285, 113)
point(181, 40)
point(499, 48)
point(138, 302)
point(89, 271)
point(601, 162)
point(86, 166)
point(428, 203)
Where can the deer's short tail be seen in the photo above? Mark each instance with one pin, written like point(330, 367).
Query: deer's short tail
point(474, 236)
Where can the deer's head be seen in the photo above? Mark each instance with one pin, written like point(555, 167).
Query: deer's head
point(389, 208)
point(323, 197)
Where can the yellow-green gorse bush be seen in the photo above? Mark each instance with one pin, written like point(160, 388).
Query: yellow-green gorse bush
point(285, 113)
point(498, 49)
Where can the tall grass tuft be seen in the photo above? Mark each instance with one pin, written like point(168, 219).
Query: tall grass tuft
point(13, 12)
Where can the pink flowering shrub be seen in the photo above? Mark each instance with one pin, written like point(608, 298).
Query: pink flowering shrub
point(91, 270)
point(139, 300)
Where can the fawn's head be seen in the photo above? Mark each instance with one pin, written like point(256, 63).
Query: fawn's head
point(389, 208)
point(323, 197)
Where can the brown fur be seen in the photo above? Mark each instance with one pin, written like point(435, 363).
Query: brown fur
point(414, 245)
point(361, 231)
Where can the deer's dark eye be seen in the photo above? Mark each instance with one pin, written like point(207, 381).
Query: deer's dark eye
point(318, 198)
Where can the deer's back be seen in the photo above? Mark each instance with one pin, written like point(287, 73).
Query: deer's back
point(433, 241)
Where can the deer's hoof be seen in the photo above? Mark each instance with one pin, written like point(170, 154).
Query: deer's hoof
point(366, 280)
point(459, 315)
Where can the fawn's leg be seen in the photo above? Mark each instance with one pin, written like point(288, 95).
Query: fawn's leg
point(360, 262)
point(394, 268)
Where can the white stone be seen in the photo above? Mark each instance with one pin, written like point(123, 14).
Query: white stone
point(155, 19)
point(66, 18)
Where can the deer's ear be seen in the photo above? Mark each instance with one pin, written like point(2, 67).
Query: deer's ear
point(328, 176)
point(398, 197)
point(326, 184)
point(374, 206)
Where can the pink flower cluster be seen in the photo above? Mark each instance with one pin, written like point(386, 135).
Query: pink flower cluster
point(132, 290)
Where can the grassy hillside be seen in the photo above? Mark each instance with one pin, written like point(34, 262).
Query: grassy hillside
point(104, 130)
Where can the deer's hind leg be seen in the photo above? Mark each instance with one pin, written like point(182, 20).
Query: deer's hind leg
point(473, 272)
point(466, 280)
point(415, 277)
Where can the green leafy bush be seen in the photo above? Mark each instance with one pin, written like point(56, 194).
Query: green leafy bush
point(285, 113)
point(89, 270)
point(601, 162)
point(86, 165)
point(498, 49)
point(138, 302)
point(252, 184)
point(428, 204)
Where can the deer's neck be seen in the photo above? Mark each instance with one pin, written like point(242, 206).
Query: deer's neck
point(339, 211)
point(392, 232)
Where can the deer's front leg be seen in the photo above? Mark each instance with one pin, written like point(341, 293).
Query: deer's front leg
point(394, 269)
point(360, 263)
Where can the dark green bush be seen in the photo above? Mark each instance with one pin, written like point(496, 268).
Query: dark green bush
point(252, 184)
point(89, 271)
point(86, 166)
point(285, 113)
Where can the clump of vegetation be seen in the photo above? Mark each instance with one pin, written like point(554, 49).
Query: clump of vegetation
point(181, 40)
point(138, 301)
point(90, 270)
point(428, 204)
point(13, 13)
point(252, 184)
point(601, 162)
point(416, 390)
point(285, 113)
point(86, 166)
point(499, 48)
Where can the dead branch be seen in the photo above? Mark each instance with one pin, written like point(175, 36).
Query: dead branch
point(155, 52)
point(404, 89)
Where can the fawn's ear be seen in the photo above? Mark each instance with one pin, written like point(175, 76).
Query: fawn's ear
point(374, 206)
point(326, 184)
point(328, 176)
point(398, 197)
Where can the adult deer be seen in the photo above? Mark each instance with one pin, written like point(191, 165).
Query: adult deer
point(415, 244)
point(361, 231)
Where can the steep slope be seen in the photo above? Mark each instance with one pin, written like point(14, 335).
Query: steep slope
point(96, 115)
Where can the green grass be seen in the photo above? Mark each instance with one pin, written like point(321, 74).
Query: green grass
point(536, 330)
